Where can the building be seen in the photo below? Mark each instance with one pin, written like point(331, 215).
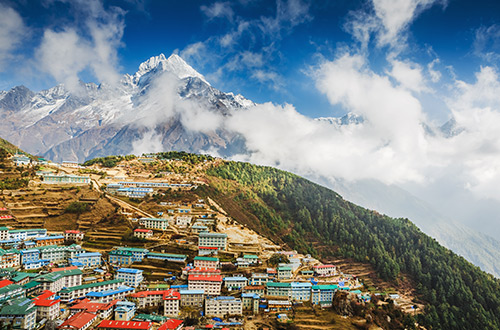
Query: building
point(134, 192)
point(207, 250)
point(107, 296)
point(300, 291)
point(21, 160)
point(223, 306)
point(154, 223)
point(124, 325)
point(4, 233)
point(284, 272)
point(199, 229)
point(120, 257)
point(250, 302)
point(73, 235)
point(145, 299)
point(65, 179)
point(20, 313)
point(171, 324)
point(124, 310)
point(10, 258)
point(259, 279)
point(171, 303)
point(252, 259)
point(70, 163)
point(183, 220)
point(86, 260)
point(193, 298)
point(58, 254)
point(143, 233)
point(277, 289)
point(79, 321)
point(80, 291)
point(103, 310)
point(131, 277)
point(213, 240)
point(323, 294)
point(206, 262)
point(258, 289)
point(235, 282)
point(277, 306)
point(49, 240)
point(325, 270)
point(167, 256)
point(11, 291)
point(47, 306)
point(211, 284)
point(56, 281)
point(27, 234)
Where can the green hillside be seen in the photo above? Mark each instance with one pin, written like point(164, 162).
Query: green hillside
point(12, 149)
point(316, 220)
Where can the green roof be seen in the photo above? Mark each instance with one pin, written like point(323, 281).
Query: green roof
point(250, 256)
point(4, 228)
point(159, 286)
point(52, 277)
point(325, 287)
point(31, 285)
point(2, 251)
point(206, 258)
point(131, 249)
point(284, 268)
point(150, 317)
point(278, 285)
point(167, 255)
point(10, 287)
point(19, 277)
point(90, 285)
point(20, 306)
point(120, 253)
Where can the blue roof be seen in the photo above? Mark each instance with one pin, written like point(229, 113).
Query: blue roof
point(192, 291)
point(49, 237)
point(250, 295)
point(301, 284)
point(129, 270)
point(235, 278)
point(89, 254)
point(109, 292)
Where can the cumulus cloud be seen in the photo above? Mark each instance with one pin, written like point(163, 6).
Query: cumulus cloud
point(66, 52)
point(409, 75)
point(218, 9)
point(12, 30)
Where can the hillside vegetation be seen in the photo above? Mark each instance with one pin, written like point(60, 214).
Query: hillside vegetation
point(316, 220)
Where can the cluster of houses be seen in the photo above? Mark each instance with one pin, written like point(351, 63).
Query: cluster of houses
point(134, 189)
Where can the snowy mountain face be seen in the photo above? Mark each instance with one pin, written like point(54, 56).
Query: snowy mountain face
point(62, 125)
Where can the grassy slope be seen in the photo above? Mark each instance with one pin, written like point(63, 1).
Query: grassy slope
point(314, 219)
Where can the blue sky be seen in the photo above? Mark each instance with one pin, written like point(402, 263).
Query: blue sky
point(272, 57)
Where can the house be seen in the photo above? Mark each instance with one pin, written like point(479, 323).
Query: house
point(145, 299)
point(250, 302)
point(81, 291)
point(183, 220)
point(258, 289)
point(11, 291)
point(73, 235)
point(10, 258)
point(211, 284)
point(134, 192)
point(27, 234)
point(199, 229)
point(300, 291)
point(284, 272)
point(325, 270)
point(70, 163)
point(47, 306)
point(103, 310)
point(143, 233)
point(252, 259)
point(167, 256)
point(124, 325)
point(235, 282)
point(124, 311)
point(58, 254)
point(171, 303)
point(131, 277)
point(120, 257)
point(56, 281)
point(20, 313)
point(21, 160)
point(49, 240)
point(65, 179)
point(193, 298)
point(259, 279)
point(4, 233)
point(107, 296)
point(277, 306)
point(86, 260)
point(277, 289)
point(207, 250)
point(323, 294)
point(217, 240)
point(206, 262)
point(154, 223)
point(223, 306)
point(79, 321)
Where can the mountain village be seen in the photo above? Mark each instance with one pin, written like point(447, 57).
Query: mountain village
point(185, 263)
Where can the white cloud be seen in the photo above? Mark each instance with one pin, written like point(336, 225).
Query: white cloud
point(12, 30)
point(149, 142)
point(65, 54)
point(409, 75)
point(487, 42)
point(218, 9)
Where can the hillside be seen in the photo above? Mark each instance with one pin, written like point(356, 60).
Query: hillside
point(9, 147)
point(316, 220)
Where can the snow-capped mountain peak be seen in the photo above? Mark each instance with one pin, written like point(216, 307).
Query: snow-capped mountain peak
point(174, 64)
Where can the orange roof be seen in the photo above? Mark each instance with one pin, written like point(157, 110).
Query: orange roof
point(4, 283)
point(210, 278)
point(171, 295)
point(92, 307)
point(108, 324)
point(142, 294)
point(323, 266)
point(171, 324)
point(78, 321)
point(73, 232)
point(143, 230)
point(63, 268)
point(204, 270)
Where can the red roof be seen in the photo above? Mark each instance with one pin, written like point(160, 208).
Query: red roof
point(171, 324)
point(207, 248)
point(143, 230)
point(63, 269)
point(44, 299)
point(4, 283)
point(171, 295)
point(73, 232)
point(211, 278)
point(204, 270)
point(142, 294)
point(324, 266)
point(108, 324)
point(78, 321)
point(92, 307)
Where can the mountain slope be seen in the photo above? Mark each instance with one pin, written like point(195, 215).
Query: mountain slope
point(314, 219)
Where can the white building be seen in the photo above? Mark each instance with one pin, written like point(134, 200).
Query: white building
point(223, 306)
point(154, 223)
point(171, 303)
point(217, 240)
point(74, 235)
point(183, 220)
point(211, 284)
point(143, 233)
point(131, 277)
point(206, 262)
